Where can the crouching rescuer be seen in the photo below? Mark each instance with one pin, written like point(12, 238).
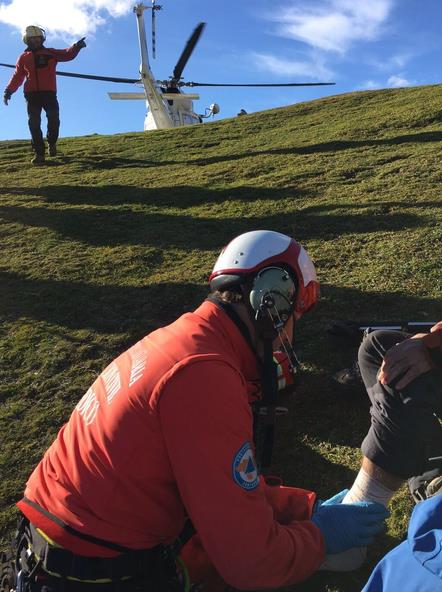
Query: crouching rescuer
point(36, 66)
point(153, 483)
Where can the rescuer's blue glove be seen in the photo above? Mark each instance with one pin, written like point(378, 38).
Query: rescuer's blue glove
point(348, 525)
point(81, 43)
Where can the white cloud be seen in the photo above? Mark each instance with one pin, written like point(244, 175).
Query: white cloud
point(398, 80)
point(333, 25)
point(62, 17)
point(394, 81)
point(313, 69)
point(370, 85)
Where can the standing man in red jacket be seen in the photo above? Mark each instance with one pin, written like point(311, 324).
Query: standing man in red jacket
point(36, 66)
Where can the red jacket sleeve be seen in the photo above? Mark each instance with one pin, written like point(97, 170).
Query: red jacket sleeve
point(65, 55)
point(17, 78)
point(206, 423)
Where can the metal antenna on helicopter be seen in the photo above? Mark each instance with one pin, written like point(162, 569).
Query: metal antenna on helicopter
point(155, 7)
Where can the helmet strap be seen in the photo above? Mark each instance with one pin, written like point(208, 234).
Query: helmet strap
point(264, 411)
point(230, 311)
point(268, 377)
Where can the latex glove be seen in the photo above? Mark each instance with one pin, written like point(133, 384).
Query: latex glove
point(406, 360)
point(7, 96)
point(81, 43)
point(348, 525)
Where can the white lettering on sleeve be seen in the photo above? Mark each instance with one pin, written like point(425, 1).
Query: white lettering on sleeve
point(88, 406)
point(112, 381)
point(139, 358)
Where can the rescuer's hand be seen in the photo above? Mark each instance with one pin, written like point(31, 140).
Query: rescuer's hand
point(81, 43)
point(348, 525)
point(7, 96)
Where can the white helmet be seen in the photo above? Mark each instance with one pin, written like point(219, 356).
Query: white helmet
point(248, 255)
point(33, 31)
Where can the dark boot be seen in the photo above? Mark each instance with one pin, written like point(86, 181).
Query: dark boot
point(52, 149)
point(38, 159)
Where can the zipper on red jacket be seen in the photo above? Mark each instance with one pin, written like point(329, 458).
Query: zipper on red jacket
point(36, 70)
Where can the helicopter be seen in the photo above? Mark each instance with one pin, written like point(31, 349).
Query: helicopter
point(167, 106)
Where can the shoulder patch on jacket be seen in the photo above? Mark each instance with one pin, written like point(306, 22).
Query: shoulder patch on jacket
point(244, 470)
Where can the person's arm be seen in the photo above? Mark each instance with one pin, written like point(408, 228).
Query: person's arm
point(410, 358)
point(207, 427)
point(66, 55)
point(16, 79)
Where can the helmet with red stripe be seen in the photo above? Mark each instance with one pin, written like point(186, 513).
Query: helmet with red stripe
point(253, 253)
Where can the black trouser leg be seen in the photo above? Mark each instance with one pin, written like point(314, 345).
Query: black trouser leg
point(34, 121)
point(53, 114)
point(404, 428)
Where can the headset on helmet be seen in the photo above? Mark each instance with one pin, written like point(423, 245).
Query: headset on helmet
point(281, 270)
point(33, 31)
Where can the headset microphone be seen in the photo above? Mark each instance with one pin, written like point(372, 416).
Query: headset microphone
point(272, 299)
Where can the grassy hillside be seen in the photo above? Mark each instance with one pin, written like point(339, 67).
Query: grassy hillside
point(117, 235)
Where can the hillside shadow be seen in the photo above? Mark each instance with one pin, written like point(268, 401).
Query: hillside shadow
point(332, 146)
point(104, 309)
point(91, 162)
point(100, 227)
point(174, 196)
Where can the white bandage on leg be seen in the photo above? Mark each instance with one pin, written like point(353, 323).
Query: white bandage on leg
point(366, 488)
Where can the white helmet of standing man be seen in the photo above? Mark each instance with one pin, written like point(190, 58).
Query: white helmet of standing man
point(254, 255)
point(33, 31)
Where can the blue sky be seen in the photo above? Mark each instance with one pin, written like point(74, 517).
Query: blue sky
point(359, 44)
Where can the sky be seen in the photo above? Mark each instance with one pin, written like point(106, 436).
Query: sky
point(358, 44)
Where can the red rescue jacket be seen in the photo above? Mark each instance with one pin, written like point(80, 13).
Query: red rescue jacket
point(165, 432)
point(38, 67)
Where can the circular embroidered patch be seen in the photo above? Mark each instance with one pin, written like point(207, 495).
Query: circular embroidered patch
point(244, 470)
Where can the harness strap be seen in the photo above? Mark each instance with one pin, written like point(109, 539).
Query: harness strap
point(62, 563)
point(81, 535)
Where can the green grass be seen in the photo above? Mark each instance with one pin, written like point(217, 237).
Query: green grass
point(117, 235)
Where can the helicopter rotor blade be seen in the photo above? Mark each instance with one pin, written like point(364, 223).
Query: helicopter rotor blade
point(191, 84)
point(90, 76)
point(104, 78)
point(187, 52)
